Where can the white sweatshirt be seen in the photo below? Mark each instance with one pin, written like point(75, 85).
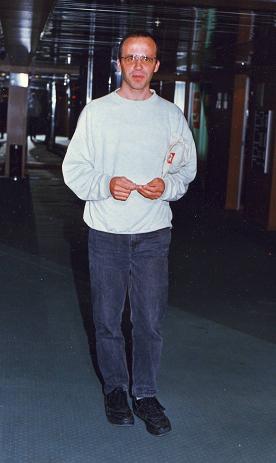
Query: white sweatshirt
point(116, 136)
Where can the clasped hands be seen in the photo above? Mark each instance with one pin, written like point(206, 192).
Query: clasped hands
point(121, 187)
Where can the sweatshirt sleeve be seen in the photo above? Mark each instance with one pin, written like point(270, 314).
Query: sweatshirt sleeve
point(176, 184)
point(78, 165)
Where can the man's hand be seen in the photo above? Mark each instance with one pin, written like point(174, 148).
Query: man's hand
point(121, 187)
point(153, 189)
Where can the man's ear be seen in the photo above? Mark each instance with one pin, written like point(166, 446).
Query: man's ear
point(157, 64)
point(118, 65)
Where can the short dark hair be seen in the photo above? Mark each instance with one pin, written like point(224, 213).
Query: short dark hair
point(138, 34)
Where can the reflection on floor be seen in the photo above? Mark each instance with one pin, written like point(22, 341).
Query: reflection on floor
point(217, 378)
point(38, 154)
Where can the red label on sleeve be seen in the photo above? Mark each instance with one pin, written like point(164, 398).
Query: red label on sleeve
point(170, 158)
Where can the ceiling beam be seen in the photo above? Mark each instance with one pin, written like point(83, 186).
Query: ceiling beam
point(41, 69)
point(233, 5)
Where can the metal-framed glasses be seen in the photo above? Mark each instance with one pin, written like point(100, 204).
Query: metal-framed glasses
point(131, 59)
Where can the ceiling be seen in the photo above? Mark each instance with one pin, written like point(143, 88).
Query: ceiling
point(193, 35)
point(21, 24)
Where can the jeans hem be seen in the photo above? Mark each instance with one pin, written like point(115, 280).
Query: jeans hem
point(110, 388)
point(143, 394)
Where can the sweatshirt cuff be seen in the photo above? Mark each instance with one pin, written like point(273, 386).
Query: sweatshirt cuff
point(166, 193)
point(106, 185)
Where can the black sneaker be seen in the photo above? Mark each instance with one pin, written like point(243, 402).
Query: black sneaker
point(152, 413)
point(117, 409)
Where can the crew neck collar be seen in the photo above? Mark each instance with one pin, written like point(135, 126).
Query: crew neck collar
point(132, 101)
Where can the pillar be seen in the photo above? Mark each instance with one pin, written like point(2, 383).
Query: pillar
point(237, 142)
point(271, 223)
point(17, 125)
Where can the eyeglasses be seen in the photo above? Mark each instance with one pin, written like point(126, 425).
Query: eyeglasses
point(130, 59)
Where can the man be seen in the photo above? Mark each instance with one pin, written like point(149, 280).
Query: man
point(115, 162)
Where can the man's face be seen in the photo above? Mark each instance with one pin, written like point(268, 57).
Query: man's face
point(137, 74)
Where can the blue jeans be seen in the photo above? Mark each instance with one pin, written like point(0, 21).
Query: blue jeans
point(137, 264)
